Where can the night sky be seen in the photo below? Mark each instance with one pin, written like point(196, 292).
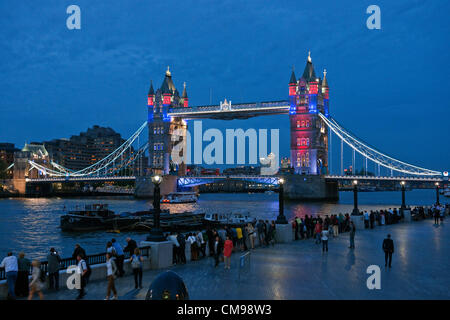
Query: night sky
point(389, 86)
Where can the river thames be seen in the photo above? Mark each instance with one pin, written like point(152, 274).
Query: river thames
point(31, 225)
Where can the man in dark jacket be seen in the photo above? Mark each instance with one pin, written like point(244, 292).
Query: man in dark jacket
point(211, 239)
point(131, 245)
point(182, 248)
point(53, 260)
point(78, 251)
point(388, 248)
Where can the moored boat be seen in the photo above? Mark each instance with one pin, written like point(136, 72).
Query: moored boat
point(94, 217)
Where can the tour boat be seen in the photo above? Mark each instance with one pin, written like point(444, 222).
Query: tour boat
point(229, 218)
point(180, 197)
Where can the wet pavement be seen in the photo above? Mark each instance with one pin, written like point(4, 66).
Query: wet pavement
point(299, 270)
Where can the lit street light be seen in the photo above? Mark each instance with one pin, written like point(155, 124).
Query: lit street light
point(156, 234)
point(403, 195)
point(281, 219)
point(355, 211)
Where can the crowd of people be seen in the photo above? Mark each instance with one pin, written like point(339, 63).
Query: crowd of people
point(20, 284)
point(218, 243)
point(221, 243)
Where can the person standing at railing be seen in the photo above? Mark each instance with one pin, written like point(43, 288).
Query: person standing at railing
point(53, 259)
point(131, 246)
point(11, 268)
point(120, 257)
point(83, 272)
point(22, 286)
point(78, 251)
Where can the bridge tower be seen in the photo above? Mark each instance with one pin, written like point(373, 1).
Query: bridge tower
point(163, 130)
point(309, 135)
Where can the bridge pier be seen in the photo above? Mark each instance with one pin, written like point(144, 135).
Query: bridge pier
point(310, 187)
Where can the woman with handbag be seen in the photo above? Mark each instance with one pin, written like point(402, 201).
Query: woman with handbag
point(136, 264)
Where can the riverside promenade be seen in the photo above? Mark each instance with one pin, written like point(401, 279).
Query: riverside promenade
point(299, 270)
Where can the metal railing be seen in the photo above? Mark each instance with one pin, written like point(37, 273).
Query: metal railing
point(91, 260)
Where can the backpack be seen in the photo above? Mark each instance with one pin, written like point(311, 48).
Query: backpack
point(42, 275)
point(136, 263)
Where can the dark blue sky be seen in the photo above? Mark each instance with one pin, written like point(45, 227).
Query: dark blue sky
point(388, 86)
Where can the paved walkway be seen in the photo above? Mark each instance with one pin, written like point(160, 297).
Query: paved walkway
point(299, 270)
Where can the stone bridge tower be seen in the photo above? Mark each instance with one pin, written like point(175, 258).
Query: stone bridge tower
point(309, 135)
point(164, 132)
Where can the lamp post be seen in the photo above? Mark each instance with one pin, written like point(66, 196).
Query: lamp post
point(156, 234)
point(355, 211)
point(403, 195)
point(281, 219)
point(437, 192)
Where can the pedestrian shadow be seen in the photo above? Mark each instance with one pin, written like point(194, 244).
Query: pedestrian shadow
point(350, 260)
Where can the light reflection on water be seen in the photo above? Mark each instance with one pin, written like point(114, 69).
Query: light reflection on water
point(32, 225)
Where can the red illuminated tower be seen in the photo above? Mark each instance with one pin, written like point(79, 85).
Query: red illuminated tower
point(309, 135)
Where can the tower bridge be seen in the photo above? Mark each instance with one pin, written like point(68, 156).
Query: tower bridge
point(311, 131)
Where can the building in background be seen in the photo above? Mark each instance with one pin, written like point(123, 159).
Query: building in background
point(7, 159)
point(85, 149)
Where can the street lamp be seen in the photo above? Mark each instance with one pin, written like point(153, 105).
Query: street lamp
point(403, 195)
point(281, 219)
point(437, 192)
point(156, 234)
point(355, 211)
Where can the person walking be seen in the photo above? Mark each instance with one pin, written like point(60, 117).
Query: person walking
point(240, 239)
point(335, 223)
point(352, 235)
point(11, 268)
point(324, 240)
point(22, 286)
point(111, 269)
point(120, 257)
point(388, 248)
point(83, 272)
point(227, 250)
point(37, 280)
point(136, 264)
point(53, 260)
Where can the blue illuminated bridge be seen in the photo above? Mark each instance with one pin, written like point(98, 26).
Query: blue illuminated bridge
point(311, 126)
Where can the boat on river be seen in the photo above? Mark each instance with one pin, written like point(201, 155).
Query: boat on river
point(231, 219)
point(180, 197)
